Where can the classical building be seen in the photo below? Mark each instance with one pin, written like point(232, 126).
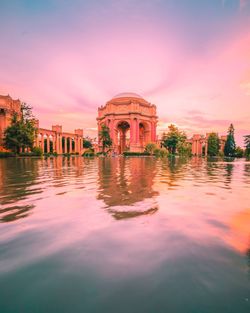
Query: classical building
point(132, 122)
point(131, 119)
point(8, 107)
point(54, 140)
point(200, 144)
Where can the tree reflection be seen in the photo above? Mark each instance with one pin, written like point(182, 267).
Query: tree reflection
point(13, 213)
point(248, 260)
point(17, 182)
point(125, 182)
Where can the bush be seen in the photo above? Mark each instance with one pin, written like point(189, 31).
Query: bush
point(239, 152)
point(150, 148)
point(101, 154)
point(37, 151)
point(88, 153)
point(160, 153)
point(5, 154)
point(130, 153)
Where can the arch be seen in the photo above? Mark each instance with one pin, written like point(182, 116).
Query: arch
point(123, 136)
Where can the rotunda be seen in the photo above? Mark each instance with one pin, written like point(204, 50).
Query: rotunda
point(132, 122)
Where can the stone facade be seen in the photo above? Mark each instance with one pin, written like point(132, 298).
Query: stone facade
point(54, 140)
point(200, 144)
point(8, 107)
point(132, 122)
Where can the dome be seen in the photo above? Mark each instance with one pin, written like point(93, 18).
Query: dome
point(127, 95)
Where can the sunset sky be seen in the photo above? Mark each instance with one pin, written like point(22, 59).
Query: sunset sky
point(191, 58)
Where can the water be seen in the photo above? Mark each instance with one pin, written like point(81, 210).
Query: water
point(124, 235)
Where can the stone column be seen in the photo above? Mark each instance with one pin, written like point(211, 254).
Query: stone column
point(59, 144)
point(76, 144)
point(70, 145)
point(137, 132)
point(79, 145)
point(42, 142)
point(48, 144)
point(53, 144)
point(132, 131)
point(56, 143)
point(152, 131)
point(206, 147)
point(37, 141)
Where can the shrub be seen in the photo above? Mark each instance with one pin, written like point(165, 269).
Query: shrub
point(37, 151)
point(130, 153)
point(6, 154)
point(88, 153)
point(160, 153)
point(101, 154)
point(239, 152)
point(150, 148)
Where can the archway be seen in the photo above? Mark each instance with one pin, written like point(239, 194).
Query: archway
point(144, 134)
point(123, 136)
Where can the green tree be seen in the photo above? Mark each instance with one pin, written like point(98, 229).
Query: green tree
point(87, 143)
point(247, 145)
point(172, 138)
point(21, 132)
point(230, 146)
point(213, 144)
point(105, 138)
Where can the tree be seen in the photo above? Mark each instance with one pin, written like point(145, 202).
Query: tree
point(247, 145)
point(172, 138)
point(105, 139)
point(230, 146)
point(213, 144)
point(87, 143)
point(22, 131)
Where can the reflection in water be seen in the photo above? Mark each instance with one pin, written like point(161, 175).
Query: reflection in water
point(125, 183)
point(13, 213)
point(124, 235)
point(17, 183)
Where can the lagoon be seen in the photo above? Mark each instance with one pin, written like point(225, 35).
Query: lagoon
point(124, 235)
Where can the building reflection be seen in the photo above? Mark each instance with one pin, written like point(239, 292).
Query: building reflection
point(21, 179)
point(17, 182)
point(126, 186)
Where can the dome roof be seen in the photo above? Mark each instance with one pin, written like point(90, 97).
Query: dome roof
point(127, 95)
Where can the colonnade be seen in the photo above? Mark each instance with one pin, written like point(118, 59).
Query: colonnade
point(51, 141)
point(200, 144)
point(142, 131)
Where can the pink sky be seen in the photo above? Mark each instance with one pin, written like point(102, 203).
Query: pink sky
point(190, 59)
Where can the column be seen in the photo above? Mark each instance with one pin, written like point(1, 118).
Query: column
point(60, 144)
point(152, 132)
point(48, 144)
point(112, 130)
point(132, 132)
point(70, 145)
point(206, 147)
point(53, 144)
point(42, 142)
point(137, 141)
